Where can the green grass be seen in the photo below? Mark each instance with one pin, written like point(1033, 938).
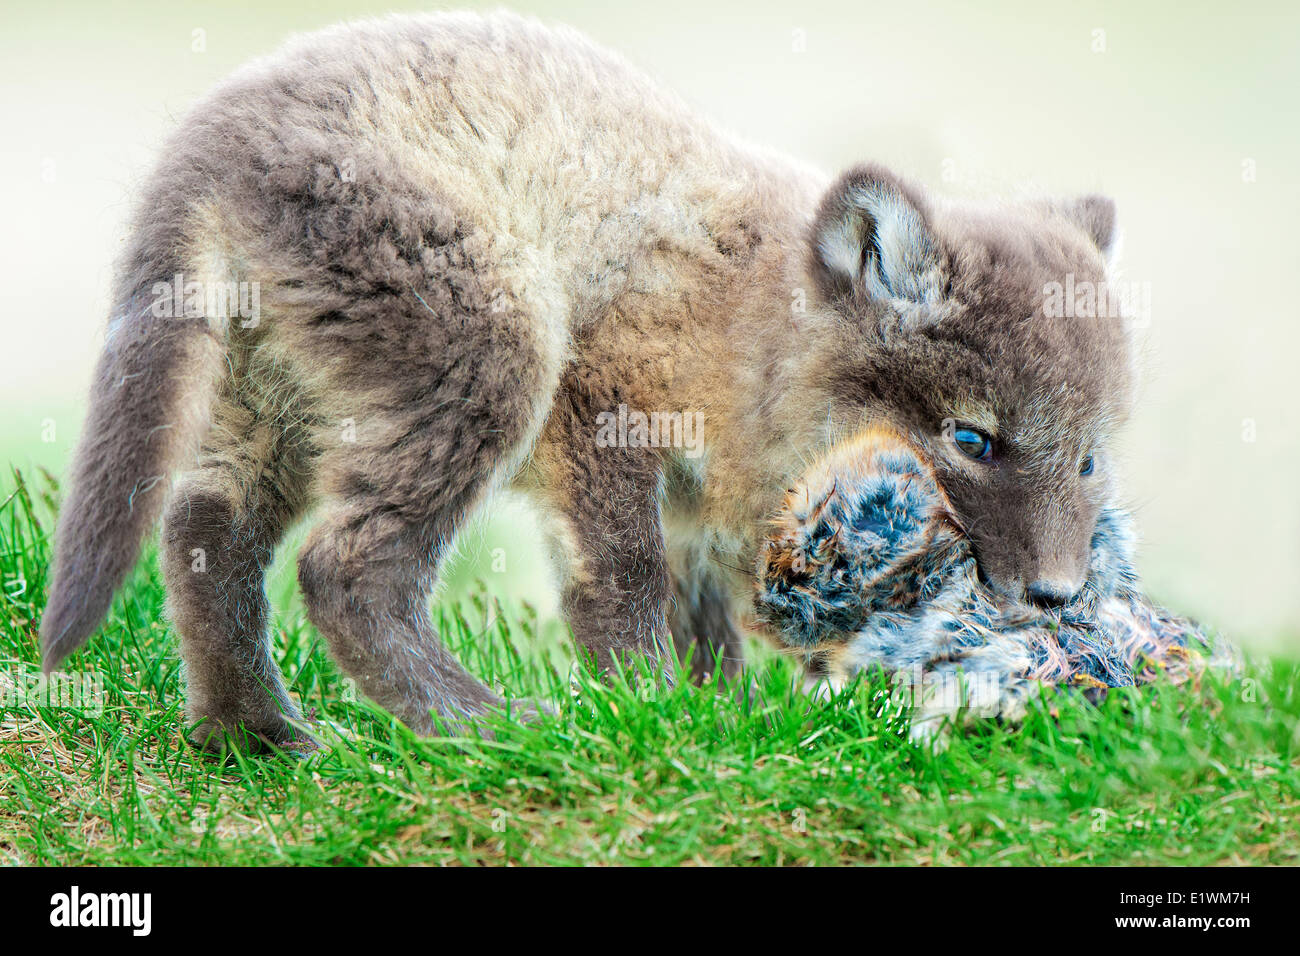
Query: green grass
point(1208, 774)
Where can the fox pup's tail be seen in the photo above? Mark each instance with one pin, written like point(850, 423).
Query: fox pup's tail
point(148, 407)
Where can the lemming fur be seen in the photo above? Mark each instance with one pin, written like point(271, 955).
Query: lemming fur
point(473, 235)
point(866, 567)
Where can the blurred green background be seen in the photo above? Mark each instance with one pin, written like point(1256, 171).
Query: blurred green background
point(1185, 113)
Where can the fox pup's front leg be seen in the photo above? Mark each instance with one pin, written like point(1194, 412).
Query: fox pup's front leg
point(617, 587)
point(705, 634)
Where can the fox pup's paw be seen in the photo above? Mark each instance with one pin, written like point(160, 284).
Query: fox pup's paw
point(287, 735)
point(640, 667)
point(528, 710)
point(489, 717)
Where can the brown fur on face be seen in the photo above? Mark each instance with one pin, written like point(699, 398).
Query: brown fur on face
point(943, 326)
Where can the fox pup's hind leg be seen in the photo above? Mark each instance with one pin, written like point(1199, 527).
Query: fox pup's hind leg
point(219, 534)
point(435, 389)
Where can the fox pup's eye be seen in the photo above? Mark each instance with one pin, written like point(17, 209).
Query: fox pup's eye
point(1086, 466)
point(975, 444)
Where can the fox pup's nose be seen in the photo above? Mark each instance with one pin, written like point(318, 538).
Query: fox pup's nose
point(1047, 593)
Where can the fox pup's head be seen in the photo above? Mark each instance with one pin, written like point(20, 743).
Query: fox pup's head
point(991, 337)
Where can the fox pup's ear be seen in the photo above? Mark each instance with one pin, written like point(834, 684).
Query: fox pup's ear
point(1095, 215)
point(872, 238)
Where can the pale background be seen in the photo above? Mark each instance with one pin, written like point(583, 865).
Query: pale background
point(1188, 117)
